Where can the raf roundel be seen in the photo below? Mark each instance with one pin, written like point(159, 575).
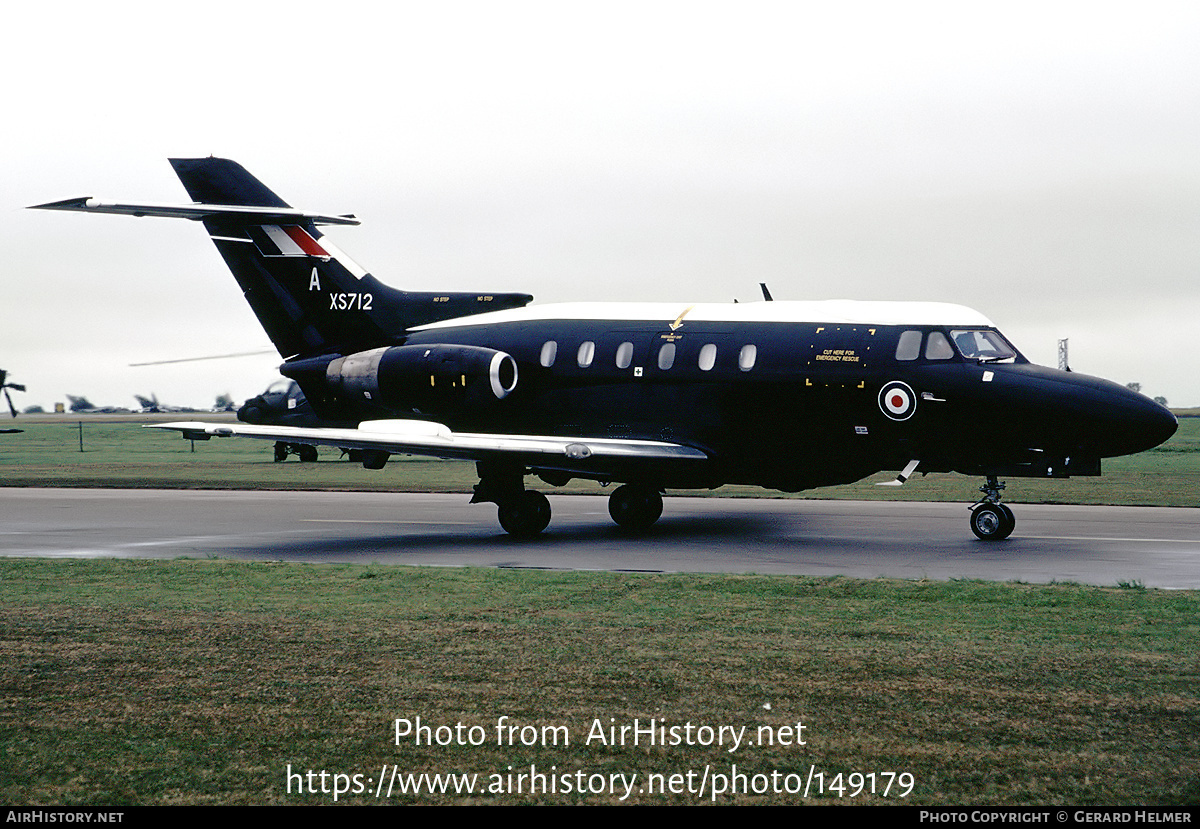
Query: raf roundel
point(897, 400)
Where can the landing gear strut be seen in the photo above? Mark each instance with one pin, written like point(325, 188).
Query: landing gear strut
point(307, 453)
point(990, 519)
point(635, 508)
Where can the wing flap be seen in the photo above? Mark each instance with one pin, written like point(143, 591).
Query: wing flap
point(419, 437)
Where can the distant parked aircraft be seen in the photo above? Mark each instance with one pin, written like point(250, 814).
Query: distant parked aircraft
point(4, 384)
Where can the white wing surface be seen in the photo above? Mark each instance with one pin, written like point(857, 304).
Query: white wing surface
point(420, 437)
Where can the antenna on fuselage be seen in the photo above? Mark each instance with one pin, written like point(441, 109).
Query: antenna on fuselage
point(766, 292)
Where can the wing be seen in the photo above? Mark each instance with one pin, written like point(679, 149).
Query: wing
point(584, 455)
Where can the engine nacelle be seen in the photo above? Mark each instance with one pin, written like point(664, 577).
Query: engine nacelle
point(414, 375)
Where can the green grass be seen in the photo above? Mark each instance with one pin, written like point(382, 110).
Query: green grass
point(135, 682)
point(123, 454)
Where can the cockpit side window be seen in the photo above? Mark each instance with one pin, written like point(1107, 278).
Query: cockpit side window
point(982, 344)
point(909, 346)
point(937, 347)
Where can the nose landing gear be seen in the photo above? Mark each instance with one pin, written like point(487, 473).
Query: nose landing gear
point(990, 519)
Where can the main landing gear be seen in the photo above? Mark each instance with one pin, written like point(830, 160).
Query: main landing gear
point(524, 513)
point(634, 507)
point(307, 453)
point(990, 519)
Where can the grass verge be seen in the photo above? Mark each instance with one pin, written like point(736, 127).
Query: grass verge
point(200, 682)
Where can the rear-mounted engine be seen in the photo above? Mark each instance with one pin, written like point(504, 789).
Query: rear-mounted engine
point(415, 375)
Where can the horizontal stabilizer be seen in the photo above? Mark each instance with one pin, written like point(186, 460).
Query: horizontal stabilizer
point(419, 437)
point(196, 212)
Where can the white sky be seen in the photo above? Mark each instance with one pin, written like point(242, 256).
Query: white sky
point(1036, 161)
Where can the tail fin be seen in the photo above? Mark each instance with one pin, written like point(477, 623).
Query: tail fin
point(310, 297)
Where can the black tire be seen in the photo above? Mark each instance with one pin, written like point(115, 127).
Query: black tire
point(281, 452)
point(635, 508)
point(992, 522)
point(525, 516)
point(1012, 520)
point(308, 454)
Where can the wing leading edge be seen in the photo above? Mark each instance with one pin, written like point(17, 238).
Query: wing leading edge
point(419, 437)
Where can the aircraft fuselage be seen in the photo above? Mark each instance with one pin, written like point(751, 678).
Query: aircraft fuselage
point(774, 400)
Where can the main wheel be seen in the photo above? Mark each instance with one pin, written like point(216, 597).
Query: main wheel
point(308, 454)
point(992, 522)
point(281, 451)
point(635, 508)
point(526, 515)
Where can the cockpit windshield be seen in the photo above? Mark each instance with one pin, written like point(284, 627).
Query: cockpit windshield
point(983, 345)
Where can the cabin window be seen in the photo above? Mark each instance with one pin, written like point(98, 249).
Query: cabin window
point(549, 352)
point(587, 352)
point(624, 355)
point(708, 357)
point(937, 347)
point(747, 356)
point(909, 346)
point(666, 356)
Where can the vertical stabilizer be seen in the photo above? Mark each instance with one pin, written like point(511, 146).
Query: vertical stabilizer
point(312, 299)
point(309, 296)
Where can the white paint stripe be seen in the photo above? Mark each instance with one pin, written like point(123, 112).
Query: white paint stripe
point(1105, 538)
point(389, 521)
point(356, 270)
point(286, 245)
point(844, 312)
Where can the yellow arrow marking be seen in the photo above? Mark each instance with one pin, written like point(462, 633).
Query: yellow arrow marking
point(679, 319)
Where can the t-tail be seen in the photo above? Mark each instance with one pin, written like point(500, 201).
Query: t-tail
point(311, 298)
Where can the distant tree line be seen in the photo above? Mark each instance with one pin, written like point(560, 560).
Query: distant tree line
point(1137, 387)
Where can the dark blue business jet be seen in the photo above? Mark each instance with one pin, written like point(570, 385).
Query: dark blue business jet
point(783, 395)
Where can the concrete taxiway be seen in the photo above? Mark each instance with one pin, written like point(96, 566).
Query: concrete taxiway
point(1158, 547)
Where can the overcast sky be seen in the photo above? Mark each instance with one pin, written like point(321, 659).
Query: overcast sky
point(1039, 162)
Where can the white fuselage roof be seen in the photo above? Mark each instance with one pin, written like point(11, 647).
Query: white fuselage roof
point(832, 311)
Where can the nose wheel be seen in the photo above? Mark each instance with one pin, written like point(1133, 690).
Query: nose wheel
point(990, 519)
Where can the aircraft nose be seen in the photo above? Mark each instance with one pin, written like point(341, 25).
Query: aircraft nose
point(1131, 422)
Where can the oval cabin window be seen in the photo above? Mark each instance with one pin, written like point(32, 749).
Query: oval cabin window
point(624, 355)
point(587, 352)
point(747, 356)
point(666, 356)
